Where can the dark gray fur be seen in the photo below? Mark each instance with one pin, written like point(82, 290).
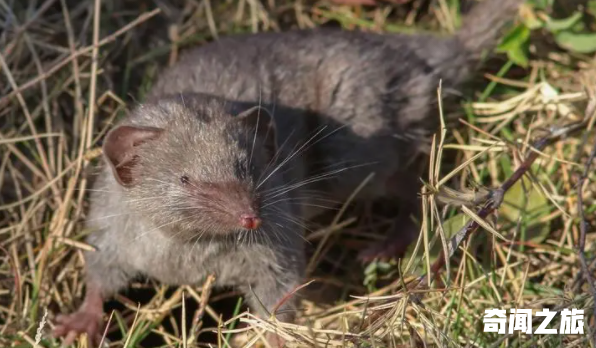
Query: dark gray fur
point(371, 96)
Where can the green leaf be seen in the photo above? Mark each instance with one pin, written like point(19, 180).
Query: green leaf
point(384, 266)
point(531, 205)
point(370, 275)
point(542, 4)
point(518, 56)
point(577, 42)
point(506, 166)
point(450, 227)
point(371, 268)
point(515, 45)
point(554, 25)
point(454, 224)
point(515, 38)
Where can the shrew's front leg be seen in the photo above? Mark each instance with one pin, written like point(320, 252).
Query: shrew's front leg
point(273, 293)
point(105, 276)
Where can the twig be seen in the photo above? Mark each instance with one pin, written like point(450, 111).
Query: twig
point(205, 295)
point(496, 196)
point(93, 84)
point(582, 222)
point(289, 295)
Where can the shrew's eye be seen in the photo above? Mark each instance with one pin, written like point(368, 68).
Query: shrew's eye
point(184, 180)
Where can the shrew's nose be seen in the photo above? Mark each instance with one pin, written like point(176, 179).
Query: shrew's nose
point(250, 221)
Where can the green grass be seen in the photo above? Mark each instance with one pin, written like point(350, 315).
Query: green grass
point(44, 91)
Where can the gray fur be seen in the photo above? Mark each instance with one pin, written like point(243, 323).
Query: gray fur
point(369, 97)
point(155, 229)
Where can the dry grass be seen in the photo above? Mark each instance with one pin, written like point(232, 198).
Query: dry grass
point(67, 71)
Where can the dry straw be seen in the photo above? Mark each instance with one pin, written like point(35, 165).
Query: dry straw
point(70, 68)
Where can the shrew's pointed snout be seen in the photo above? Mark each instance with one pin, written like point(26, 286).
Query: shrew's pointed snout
point(250, 221)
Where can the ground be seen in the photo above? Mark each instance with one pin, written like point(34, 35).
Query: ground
point(68, 70)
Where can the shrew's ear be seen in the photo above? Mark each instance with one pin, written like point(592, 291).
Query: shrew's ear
point(121, 150)
point(261, 121)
